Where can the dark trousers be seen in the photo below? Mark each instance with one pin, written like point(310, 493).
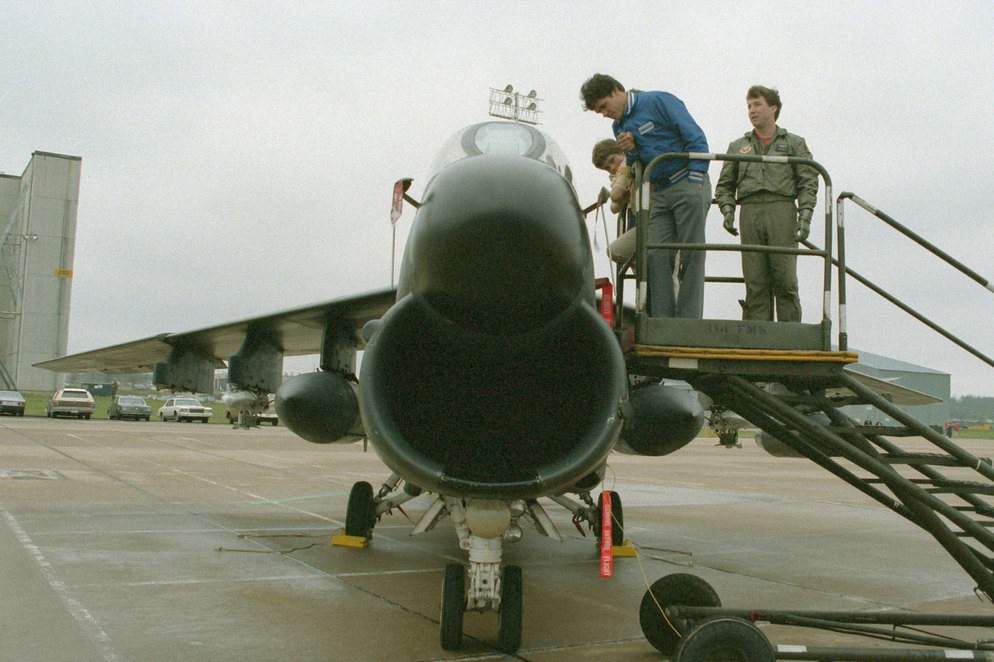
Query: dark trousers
point(770, 278)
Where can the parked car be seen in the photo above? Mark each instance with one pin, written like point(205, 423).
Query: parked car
point(267, 416)
point(128, 406)
point(11, 402)
point(184, 409)
point(71, 402)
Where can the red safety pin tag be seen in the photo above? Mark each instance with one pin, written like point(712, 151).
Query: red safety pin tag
point(607, 551)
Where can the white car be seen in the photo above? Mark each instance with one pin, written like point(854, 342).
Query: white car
point(76, 402)
point(185, 409)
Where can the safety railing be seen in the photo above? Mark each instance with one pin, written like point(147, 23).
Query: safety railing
point(843, 269)
point(636, 267)
point(641, 206)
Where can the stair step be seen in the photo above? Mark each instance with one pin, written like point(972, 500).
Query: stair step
point(963, 486)
point(930, 459)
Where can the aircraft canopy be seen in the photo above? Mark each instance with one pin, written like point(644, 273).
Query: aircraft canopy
point(502, 138)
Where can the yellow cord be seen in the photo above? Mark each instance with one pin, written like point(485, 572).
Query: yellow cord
point(638, 557)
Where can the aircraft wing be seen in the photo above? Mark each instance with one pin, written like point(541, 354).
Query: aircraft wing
point(299, 332)
point(899, 395)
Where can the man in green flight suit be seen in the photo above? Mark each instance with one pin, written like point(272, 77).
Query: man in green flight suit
point(776, 200)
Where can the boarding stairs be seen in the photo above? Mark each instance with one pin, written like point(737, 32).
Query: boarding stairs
point(790, 381)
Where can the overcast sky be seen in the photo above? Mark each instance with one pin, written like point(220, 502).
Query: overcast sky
point(238, 158)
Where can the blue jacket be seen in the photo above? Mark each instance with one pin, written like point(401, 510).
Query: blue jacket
point(660, 123)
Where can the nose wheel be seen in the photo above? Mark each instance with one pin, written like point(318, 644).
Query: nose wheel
point(453, 605)
point(509, 614)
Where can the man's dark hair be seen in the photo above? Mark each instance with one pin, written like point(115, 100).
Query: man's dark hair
point(603, 149)
point(596, 88)
point(772, 97)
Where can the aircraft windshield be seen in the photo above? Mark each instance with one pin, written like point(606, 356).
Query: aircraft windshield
point(502, 138)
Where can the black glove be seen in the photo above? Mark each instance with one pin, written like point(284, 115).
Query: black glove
point(729, 214)
point(803, 225)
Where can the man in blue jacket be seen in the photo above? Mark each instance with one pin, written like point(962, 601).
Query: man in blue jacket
point(646, 125)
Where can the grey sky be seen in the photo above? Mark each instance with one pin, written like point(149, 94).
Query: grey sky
point(238, 157)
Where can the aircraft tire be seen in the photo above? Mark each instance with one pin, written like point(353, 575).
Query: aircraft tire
point(727, 639)
point(452, 608)
point(360, 515)
point(509, 616)
point(617, 520)
point(676, 589)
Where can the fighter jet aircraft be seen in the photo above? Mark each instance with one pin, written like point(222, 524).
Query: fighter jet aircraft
point(489, 378)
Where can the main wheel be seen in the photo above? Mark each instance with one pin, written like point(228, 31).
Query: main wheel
point(617, 519)
point(360, 516)
point(509, 617)
point(676, 589)
point(725, 640)
point(453, 605)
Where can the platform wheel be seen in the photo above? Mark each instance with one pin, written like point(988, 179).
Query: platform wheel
point(724, 639)
point(509, 618)
point(453, 606)
point(617, 520)
point(676, 589)
point(360, 515)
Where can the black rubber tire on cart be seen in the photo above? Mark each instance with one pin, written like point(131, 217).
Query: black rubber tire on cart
point(724, 639)
point(676, 589)
point(452, 608)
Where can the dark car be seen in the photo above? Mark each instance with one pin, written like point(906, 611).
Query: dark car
point(128, 406)
point(11, 402)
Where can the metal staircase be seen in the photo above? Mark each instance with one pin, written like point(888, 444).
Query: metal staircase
point(909, 467)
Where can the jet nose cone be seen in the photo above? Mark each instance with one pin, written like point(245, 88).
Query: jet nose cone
point(499, 246)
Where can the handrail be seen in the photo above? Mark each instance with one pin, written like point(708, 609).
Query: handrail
point(914, 237)
point(911, 311)
point(641, 203)
point(844, 270)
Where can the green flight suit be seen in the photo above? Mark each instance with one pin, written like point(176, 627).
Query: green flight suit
point(770, 195)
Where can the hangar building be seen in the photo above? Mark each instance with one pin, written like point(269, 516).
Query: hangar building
point(37, 243)
point(908, 375)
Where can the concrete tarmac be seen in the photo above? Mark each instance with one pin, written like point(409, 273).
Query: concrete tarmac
point(178, 541)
